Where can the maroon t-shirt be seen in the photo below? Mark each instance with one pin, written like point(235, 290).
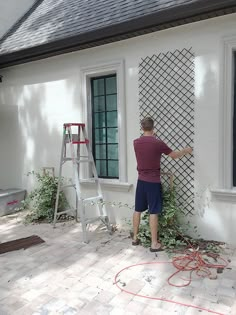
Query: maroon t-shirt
point(148, 151)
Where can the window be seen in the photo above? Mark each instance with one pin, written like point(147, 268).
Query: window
point(226, 190)
point(105, 126)
point(110, 155)
point(234, 122)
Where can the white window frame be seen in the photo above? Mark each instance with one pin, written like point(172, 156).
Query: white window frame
point(114, 67)
point(226, 191)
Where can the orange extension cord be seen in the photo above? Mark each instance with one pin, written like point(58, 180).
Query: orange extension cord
point(192, 261)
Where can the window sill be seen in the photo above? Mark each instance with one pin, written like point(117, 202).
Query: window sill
point(112, 185)
point(228, 195)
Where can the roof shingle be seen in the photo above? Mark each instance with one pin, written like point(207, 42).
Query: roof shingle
point(50, 21)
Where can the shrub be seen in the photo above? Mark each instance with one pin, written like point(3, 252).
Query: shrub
point(41, 201)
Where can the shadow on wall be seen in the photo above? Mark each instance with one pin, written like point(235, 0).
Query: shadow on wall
point(35, 101)
point(12, 144)
point(11, 148)
point(39, 138)
point(28, 142)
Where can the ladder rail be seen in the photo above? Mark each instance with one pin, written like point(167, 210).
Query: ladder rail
point(100, 206)
point(76, 169)
point(59, 179)
point(94, 170)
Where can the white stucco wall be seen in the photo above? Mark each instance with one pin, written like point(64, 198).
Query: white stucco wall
point(37, 98)
point(11, 11)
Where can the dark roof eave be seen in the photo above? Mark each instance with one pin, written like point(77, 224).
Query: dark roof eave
point(166, 19)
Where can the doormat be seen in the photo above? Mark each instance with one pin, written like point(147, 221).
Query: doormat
point(21, 243)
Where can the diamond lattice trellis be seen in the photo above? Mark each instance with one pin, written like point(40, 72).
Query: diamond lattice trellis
point(166, 93)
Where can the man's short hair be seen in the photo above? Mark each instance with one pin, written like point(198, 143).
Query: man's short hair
point(147, 124)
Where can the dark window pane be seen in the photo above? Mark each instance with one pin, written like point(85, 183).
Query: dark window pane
point(105, 131)
point(111, 85)
point(112, 135)
point(112, 119)
point(113, 169)
point(112, 151)
point(234, 126)
point(100, 151)
point(101, 166)
point(99, 103)
point(111, 101)
point(98, 87)
point(99, 119)
point(100, 135)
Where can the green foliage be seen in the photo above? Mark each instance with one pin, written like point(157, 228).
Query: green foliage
point(144, 234)
point(212, 248)
point(170, 229)
point(41, 201)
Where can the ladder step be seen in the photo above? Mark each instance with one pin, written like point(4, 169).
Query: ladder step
point(93, 198)
point(75, 139)
point(66, 211)
point(81, 142)
point(91, 220)
point(74, 124)
point(77, 161)
point(67, 159)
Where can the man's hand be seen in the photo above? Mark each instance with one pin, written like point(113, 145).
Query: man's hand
point(178, 154)
point(188, 150)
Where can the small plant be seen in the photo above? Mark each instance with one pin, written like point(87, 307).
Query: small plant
point(170, 230)
point(41, 201)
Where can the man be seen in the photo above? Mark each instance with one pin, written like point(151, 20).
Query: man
point(148, 151)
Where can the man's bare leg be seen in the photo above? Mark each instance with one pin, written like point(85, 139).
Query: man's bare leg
point(136, 222)
point(153, 221)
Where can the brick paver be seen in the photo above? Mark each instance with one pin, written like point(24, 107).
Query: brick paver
point(65, 276)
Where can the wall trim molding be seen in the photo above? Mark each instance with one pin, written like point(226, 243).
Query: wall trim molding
point(227, 195)
point(110, 67)
point(226, 111)
point(109, 185)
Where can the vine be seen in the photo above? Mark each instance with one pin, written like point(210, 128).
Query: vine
point(41, 200)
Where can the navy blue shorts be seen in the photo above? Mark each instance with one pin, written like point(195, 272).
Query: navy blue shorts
point(148, 196)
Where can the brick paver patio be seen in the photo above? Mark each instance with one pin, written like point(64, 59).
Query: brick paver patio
point(66, 276)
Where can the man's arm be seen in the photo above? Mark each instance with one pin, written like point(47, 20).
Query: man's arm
point(178, 154)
